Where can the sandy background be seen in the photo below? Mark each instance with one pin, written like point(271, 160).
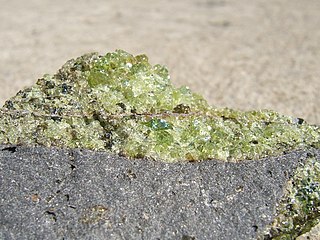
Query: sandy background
point(241, 54)
point(237, 53)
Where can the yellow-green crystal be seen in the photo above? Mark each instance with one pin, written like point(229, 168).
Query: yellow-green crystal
point(122, 104)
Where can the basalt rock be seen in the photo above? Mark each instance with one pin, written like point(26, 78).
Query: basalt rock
point(49, 193)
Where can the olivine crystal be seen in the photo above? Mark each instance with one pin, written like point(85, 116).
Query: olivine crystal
point(122, 104)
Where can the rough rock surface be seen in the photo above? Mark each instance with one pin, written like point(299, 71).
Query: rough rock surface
point(47, 193)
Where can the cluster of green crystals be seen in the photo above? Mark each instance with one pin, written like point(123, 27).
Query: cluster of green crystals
point(122, 104)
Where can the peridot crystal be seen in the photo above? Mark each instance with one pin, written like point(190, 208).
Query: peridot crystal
point(122, 104)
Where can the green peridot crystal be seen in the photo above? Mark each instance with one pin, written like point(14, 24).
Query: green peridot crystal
point(122, 104)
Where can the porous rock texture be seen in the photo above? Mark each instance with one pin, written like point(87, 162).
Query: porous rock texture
point(49, 193)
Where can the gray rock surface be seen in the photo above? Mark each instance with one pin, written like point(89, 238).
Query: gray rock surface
point(76, 194)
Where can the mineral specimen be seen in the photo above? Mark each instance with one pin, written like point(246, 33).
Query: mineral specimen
point(299, 209)
point(122, 104)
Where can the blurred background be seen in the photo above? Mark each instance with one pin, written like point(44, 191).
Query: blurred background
point(236, 53)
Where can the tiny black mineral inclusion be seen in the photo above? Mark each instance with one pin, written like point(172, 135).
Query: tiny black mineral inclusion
point(122, 104)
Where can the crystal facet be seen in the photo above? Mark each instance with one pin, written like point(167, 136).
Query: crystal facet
point(121, 103)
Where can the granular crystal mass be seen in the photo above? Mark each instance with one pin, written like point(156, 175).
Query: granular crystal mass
point(122, 104)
